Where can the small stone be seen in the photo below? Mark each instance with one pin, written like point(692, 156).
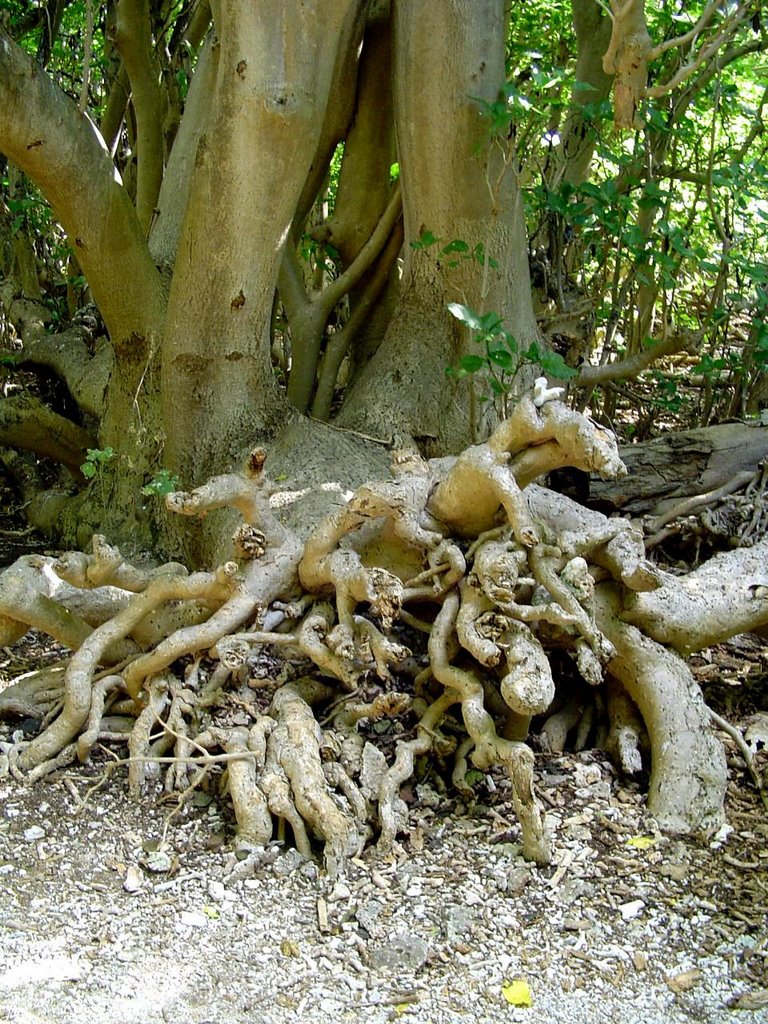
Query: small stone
point(427, 795)
point(517, 880)
point(402, 952)
point(631, 910)
point(134, 879)
point(457, 922)
point(33, 833)
point(685, 980)
point(340, 891)
point(159, 862)
point(640, 960)
point(217, 891)
point(367, 916)
point(576, 924)
point(287, 863)
point(309, 870)
point(677, 872)
point(127, 956)
point(192, 919)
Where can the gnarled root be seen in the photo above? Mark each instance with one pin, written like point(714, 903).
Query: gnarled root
point(294, 745)
point(490, 748)
point(688, 771)
point(497, 572)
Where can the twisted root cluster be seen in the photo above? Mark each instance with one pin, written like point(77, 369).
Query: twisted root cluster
point(495, 572)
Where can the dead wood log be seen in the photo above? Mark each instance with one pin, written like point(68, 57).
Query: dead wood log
point(679, 465)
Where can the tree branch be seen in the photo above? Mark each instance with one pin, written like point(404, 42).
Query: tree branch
point(133, 39)
point(45, 135)
point(681, 41)
point(26, 423)
point(632, 366)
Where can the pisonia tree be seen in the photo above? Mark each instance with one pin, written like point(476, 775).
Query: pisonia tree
point(265, 355)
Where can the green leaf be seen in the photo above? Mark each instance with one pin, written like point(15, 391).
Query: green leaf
point(501, 357)
point(457, 245)
point(466, 315)
point(471, 364)
point(491, 322)
point(553, 364)
point(425, 240)
point(88, 470)
point(164, 482)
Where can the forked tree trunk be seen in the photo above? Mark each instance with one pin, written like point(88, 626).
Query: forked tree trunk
point(458, 184)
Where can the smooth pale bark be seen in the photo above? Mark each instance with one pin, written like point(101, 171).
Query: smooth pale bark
point(688, 771)
point(274, 68)
point(174, 192)
point(338, 111)
point(363, 193)
point(369, 149)
point(456, 185)
point(627, 58)
point(133, 39)
point(309, 315)
point(726, 596)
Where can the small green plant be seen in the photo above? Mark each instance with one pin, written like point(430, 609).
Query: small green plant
point(455, 251)
point(500, 356)
point(93, 467)
point(95, 460)
point(163, 482)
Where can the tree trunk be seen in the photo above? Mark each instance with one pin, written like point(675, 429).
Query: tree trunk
point(273, 72)
point(593, 84)
point(458, 184)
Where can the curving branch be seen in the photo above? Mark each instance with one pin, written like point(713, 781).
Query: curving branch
point(632, 366)
point(28, 424)
point(43, 132)
point(133, 40)
point(308, 316)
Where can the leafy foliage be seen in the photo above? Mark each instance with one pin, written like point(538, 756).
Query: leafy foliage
point(163, 482)
point(501, 356)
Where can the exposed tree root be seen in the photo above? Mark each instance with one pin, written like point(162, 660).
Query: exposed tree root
point(307, 639)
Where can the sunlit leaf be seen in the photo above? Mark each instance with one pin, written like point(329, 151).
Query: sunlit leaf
point(641, 842)
point(466, 315)
point(501, 357)
point(517, 992)
point(471, 364)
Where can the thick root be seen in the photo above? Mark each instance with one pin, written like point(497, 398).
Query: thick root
point(688, 770)
point(494, 571)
